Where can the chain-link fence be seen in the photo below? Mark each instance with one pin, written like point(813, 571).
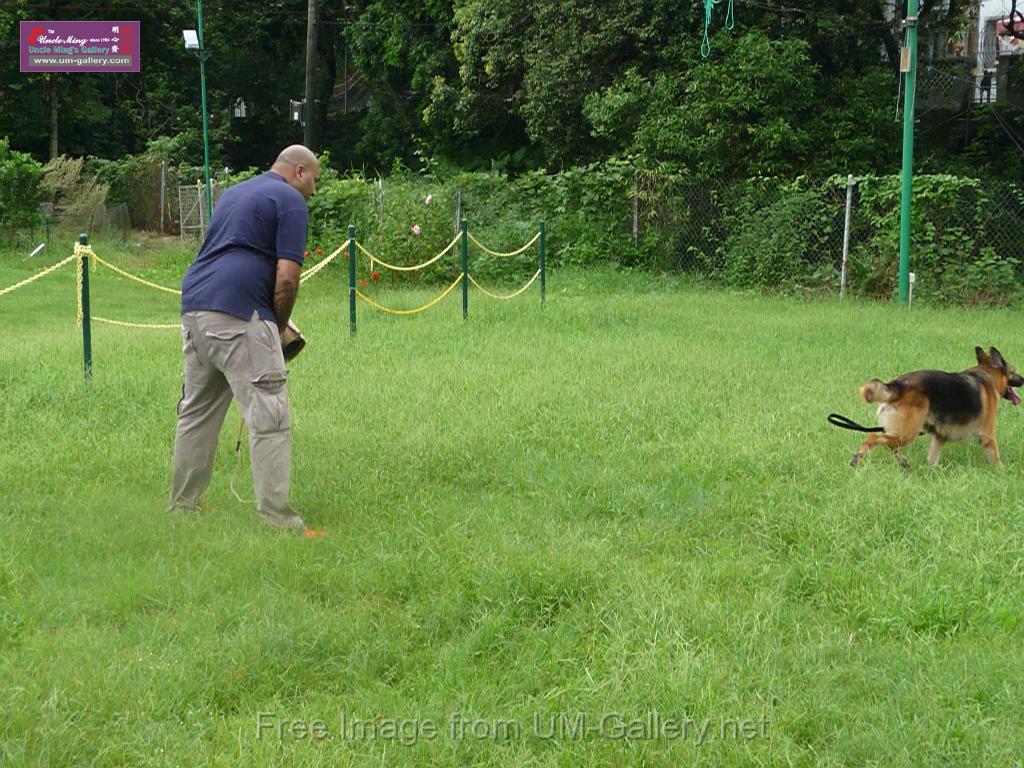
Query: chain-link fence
point(111, 223)
point(794, 236)
point(192, 219)
point(790, 235)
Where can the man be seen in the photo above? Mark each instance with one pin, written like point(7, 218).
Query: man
point(236, 299)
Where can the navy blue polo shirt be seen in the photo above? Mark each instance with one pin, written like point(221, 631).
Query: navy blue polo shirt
point(254, 224)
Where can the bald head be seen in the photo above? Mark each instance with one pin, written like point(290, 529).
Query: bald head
point(299, 167)
point(296, 154)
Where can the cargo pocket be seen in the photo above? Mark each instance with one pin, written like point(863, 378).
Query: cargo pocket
point(268, 411)
point(228, 350)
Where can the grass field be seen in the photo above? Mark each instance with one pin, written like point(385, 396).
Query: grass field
point(625, 506)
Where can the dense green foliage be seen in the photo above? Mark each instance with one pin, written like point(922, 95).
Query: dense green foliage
point(602, 119)
point(768, 233)
point(20, 190)
point(504, 84)
point(764, 233)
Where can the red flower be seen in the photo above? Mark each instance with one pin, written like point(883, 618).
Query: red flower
point(305, 254)
point(362, 283)
point(319, 251)
point(375, 275)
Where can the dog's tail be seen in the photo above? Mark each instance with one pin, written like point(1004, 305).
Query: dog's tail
point(877, 391)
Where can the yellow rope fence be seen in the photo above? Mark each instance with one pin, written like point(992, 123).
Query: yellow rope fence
point(425, 264)
point(87, 251)
point(505, 296)
point(313, 271)
point(425, 307)
point(485, 249)
point(37, 275)
point(123, 324)
point(130, 276)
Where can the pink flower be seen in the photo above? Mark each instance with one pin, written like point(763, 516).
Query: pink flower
point(416, 230)
point(363, 283)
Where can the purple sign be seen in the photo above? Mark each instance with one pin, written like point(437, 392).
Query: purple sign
point(79, 46)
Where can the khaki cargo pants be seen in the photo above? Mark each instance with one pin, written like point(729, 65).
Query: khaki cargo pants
point(225, 356)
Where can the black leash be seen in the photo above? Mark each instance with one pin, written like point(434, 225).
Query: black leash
point(841, 421)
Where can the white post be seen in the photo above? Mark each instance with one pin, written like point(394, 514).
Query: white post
point(163, 188)
point(910, 293)
point(846, 235)
point(458, 212)
point(202, 210)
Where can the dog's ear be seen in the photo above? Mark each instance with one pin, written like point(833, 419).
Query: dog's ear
point(982, 357)
point(996, 358)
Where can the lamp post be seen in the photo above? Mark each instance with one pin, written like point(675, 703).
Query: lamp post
point(194, 42)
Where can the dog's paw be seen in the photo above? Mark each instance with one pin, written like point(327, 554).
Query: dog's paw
point(855, 460)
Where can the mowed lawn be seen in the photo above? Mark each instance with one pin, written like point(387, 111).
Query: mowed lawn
point(613, 531)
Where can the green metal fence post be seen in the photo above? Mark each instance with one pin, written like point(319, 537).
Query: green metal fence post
point(906, 195)
point(83, 239)
point(206, 130)
point(542, 274)
point(465, 271)
point(351, 280)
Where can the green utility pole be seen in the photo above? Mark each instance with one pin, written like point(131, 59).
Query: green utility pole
point(206, 133)
point(908, 63)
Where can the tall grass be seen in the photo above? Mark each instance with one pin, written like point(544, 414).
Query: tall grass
point(627, 501)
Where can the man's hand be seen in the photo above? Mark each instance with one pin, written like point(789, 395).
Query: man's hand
point(292, 342)
point(286, 290)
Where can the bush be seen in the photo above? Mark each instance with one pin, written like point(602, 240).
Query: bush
point(75, 186)
point(964, 246)
point(776, 240)
point(20, 191)
point(766, 234)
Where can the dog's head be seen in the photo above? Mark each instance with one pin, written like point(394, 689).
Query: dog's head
point(1007, 377)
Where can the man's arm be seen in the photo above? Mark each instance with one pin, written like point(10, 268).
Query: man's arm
point(286, 290)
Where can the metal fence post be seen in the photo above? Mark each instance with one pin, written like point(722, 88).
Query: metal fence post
point(542, 270)
point(458, 210)
point(352, 280)
point(846, 235)
point(465, 270)
point(83, 239)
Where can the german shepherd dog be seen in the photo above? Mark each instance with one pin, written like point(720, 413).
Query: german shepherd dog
point(948, 406)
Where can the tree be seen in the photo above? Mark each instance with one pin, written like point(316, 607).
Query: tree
point(549, 83)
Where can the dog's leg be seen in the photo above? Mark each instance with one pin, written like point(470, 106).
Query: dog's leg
point(991, 449)
point(897, 453)
point(893, 442)
point(902, 423)
point(935, 450)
